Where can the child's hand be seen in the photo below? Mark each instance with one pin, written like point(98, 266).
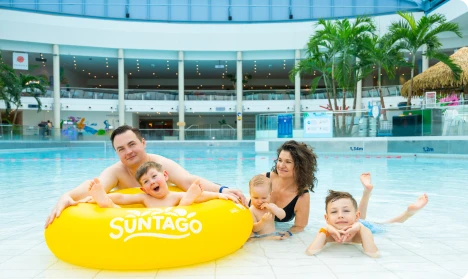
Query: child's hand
point(228, 197)
point(351, 231)
point(266, 205)
point(337, 235)
point(267, 217)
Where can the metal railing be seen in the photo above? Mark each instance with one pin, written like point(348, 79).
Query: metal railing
point(211, 95)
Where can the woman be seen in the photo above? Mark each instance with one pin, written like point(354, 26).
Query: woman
point(292, 177)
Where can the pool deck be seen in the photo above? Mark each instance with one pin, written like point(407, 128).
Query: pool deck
point(25, 255)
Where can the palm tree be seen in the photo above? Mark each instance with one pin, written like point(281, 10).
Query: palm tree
point(333, 50)
point(13, 87)
point(381, 53)
point(411, 36)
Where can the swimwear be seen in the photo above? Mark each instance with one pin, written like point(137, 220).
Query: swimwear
point(374, 228)
point(289, 209)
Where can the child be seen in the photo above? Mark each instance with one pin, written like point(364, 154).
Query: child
point(262, 210)
point(153, 181)
point(343, 225)
point(340, 233)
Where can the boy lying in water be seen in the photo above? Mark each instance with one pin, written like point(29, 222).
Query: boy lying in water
point(344, 224)
point(153, 181)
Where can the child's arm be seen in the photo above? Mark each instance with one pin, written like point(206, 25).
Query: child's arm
point(206, 196)
point(124, 199)
point(258, 226)
point(318, 243)
point(278, 212)
point(367, 239)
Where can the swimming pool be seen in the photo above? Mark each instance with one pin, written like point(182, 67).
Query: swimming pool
point(430, 245)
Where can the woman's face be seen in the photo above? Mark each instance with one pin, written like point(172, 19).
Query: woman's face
point(285, 164)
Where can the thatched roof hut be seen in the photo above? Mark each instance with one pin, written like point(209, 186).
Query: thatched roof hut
point(440, 78)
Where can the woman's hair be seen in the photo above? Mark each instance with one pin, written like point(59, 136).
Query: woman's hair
point(305, 164)
point(143, 169)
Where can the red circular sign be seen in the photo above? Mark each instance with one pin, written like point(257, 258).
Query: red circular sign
point(20, 59)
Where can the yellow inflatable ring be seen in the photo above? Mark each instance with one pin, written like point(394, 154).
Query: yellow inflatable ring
point(148, 238)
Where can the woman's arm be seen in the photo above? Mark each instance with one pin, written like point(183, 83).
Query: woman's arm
point(302, 213)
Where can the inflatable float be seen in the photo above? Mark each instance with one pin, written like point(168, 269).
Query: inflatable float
point(148, 238)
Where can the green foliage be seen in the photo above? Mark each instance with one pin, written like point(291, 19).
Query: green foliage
point(411, 35)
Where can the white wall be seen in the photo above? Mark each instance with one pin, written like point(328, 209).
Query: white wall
point(114, 34)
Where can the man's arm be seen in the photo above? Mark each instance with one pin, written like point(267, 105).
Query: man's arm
point(108, 179)
point(183, 179)
point(206, 196)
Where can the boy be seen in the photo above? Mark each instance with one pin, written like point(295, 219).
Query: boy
point(262, 210)
point(343, 225)
point(153, 181)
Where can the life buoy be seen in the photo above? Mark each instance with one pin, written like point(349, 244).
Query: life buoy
point(148, 238)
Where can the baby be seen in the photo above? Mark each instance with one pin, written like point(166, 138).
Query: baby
point(262, 210)
point(153, 181)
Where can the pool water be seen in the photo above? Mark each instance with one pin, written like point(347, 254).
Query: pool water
point(432, 244)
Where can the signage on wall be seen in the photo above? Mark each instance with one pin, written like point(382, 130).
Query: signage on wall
point(318, 125)
point(20, 61)
point(430, 99)
point(285, 127)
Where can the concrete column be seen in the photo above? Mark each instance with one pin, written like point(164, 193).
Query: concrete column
point(239, 87)
point(297, 93)
point(181, 123)
point(358, 94)
point(121, 75)
point(425, 60)
point(56, 80)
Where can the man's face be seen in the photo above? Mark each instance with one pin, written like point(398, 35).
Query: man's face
point(130, 149)
point(154, 183)
point(341, 213)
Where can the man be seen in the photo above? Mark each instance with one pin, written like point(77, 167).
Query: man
point(130, 147)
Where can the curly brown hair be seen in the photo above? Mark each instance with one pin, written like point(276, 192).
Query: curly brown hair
point(305, 164)
point(336, 195)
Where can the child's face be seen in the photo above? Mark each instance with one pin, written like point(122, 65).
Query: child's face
point(154, 183)
point(341, 213)
point(259, 195)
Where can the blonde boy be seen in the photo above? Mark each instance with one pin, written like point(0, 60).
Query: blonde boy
point(343, 226)
point(153, 181)
point(264, 212)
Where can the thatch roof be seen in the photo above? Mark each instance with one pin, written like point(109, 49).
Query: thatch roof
point(439, 77)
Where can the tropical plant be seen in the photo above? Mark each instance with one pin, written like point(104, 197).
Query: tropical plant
point(383, 55)
point(411, 35)
point(336, 50)
point(13, 86)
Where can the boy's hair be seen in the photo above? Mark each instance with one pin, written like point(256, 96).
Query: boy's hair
point(336, 195)
point(258, 180)
point(123, 129)
point(145, 168)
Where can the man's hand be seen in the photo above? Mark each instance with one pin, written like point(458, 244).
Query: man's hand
point(237, 193)
point(64, 202)
point(228, 197)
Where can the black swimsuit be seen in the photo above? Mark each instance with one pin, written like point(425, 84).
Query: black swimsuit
point(289, 209)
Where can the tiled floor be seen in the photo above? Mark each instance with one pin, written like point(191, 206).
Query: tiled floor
point(26, 255)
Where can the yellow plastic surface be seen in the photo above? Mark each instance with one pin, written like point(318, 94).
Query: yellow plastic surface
point(148, 238)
